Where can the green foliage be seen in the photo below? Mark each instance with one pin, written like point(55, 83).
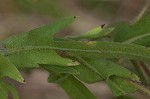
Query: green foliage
point(120, 86)
point(95, 33)
point(137, 33)
point(5, 88)
point(13, 91)
point(24, 57)
point(39, 36)
point(75, 89)
point(60, 69)
point(73, 60)
point(9, 70)
point(103, 49)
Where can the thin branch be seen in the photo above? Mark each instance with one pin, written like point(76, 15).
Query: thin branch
point(140, 87)
point(142, 12)
point(139, 71)
point(145, 68)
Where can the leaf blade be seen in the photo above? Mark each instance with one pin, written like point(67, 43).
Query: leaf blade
point(75, 88)
point(60, 69)
point(32, 58)
point(119, 86)
point(104, 49)
point(9, 70)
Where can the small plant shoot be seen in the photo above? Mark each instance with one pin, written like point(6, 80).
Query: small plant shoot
point(73, 61)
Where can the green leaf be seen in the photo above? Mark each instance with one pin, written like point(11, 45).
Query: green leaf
point(13, 91)
point(136, 38)
point(44, 35)
point(16, 41)
point(103, 49)
point(9, 70)
point(90, 49)
point(107, 68)
point(75, 89)
point(41, 36)
point(60, 69)
point(87, 75)
point(3, 90)
point(138, 33)
point(119, 86)
point(57, 78)
point(95, 33)
point(71, 85)
point(120, 30)
point(32, 58)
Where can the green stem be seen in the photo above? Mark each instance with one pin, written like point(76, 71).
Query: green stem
point(145, 68)
point(142, 12)
point(139, 71)
point(140, 87)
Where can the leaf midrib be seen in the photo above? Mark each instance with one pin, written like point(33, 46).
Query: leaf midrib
point(29, 48)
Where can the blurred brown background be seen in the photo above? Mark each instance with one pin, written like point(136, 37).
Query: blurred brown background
point(23, 15)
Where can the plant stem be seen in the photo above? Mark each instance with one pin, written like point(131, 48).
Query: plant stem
point(139, 71)
point(140, 87)
point(145, 68)
point(142, 12)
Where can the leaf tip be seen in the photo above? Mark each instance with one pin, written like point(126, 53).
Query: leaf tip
point(102, 26)
point(75, 17)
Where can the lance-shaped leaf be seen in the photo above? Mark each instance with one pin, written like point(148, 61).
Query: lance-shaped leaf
point(95, 33)
point(40, 36)
point(120, 86)
point(92, 49)
point(44, 35)
point(5, 88)
point(75, 89)
point(88, 75)
point(103, 49)
point(9, 70)
point(60, 69)
point(104, 71)
point(56, 77)
point(107, 68)
point(13, 91)
point(82, 72)
point(138, 33)
point(31, 58)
